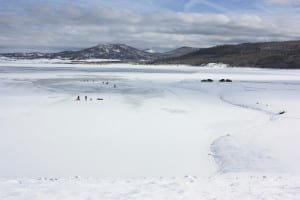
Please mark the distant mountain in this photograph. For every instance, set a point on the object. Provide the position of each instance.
(265, 55)
(105, 51)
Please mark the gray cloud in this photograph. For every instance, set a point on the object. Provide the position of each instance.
(191, 3)
(283, 1)
(50, 27)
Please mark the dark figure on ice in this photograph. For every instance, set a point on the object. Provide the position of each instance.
(281, 113)
(207, 80)
(85, 98)
(115, 86)
(78, 98)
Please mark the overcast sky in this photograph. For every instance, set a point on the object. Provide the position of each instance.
(54, 25)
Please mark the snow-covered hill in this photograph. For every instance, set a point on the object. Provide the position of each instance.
(107, 51)
(104, 51)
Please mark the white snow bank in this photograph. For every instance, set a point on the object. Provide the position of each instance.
(226, 187)
(216, 65)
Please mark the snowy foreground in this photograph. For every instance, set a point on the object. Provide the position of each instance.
(148, 132)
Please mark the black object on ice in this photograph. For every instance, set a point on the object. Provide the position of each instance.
(207, 80)
(115, 86)
(225, 80)
(100, 99)
(85, 98)
(78, 98)
(281, 113)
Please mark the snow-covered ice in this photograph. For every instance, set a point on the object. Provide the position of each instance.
(154, 126)
(225, 187)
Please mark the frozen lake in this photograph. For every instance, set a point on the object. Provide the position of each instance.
(153, 120)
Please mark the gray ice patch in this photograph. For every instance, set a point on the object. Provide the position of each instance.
(232, 155)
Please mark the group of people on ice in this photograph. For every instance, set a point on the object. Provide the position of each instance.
(86, 98)
(99, 99)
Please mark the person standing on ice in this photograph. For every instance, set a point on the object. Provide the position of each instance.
(78, 98)
(85, 98)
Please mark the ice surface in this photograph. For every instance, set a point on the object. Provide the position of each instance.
(225, 187)
(157, 121)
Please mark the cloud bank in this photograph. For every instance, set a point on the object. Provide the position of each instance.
(53, 27)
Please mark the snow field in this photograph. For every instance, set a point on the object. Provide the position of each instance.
(160, 121)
